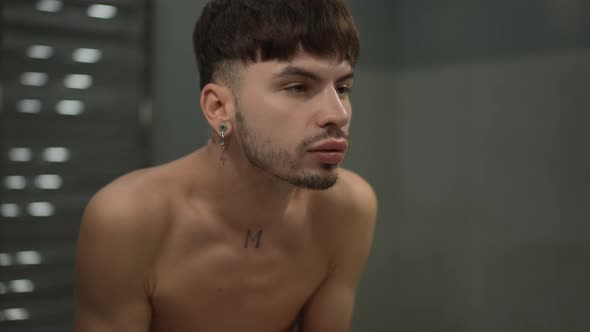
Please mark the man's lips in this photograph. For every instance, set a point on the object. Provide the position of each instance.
(329, 152)
(330, 146)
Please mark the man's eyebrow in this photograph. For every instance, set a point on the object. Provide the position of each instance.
(298, 71)
(346, 77)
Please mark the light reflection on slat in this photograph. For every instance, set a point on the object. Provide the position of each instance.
(15, 182)
(70, 107)
(34, 79)
(28, 257)
(78, 81)
(20, 154)
(40, 51)
(31, 106)
(9, 210)
(50, 6)
(87, 55)
(21, 286)
(102, 11)
(13, 314)
(41, 209)
(56, 154)
(48, 181)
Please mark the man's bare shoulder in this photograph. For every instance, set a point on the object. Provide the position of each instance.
(346, 215)
(122, 230)
(351, 196)
(142, 201)
(347, 211)
(133, 205)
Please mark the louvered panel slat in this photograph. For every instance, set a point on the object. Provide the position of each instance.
(17, 45)
(72, 19)
(74, 117)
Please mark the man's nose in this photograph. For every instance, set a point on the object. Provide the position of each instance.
(333, 110)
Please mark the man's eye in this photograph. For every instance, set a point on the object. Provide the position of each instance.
(297, 88)
(344, 90)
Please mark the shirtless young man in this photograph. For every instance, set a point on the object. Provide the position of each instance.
(261, 228)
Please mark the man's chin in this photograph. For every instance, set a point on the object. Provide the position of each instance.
(330, 167)
(316, 181)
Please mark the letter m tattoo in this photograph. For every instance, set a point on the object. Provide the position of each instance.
(250, 238)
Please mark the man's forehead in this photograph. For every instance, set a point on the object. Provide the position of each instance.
(322, 62)
(303, 61)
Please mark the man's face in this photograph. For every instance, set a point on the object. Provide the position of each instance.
(293, 117)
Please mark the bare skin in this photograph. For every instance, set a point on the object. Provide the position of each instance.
(203, 245)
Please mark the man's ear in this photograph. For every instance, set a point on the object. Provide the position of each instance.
(217, 105)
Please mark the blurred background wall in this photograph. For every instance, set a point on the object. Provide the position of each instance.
(470, 120)
(75, 110)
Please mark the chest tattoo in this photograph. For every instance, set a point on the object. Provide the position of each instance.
(253, 238)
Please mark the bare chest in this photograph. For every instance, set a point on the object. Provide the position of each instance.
(253, 281)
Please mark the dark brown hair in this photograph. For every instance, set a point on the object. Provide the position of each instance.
(261, 30)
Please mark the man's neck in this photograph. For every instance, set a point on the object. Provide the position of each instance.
(242, 194)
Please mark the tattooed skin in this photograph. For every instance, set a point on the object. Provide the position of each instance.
(250, 238)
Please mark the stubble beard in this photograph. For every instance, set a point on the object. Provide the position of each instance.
(262, 154)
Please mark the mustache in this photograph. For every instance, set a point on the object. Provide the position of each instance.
(331, 132)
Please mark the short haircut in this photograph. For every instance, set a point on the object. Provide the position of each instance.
(260, 30)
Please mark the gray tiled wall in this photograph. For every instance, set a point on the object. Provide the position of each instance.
(483, 176)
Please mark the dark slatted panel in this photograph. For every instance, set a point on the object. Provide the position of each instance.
(74, 83)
